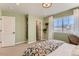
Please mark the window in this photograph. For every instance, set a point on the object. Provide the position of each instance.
(64, 24)
(58, 24)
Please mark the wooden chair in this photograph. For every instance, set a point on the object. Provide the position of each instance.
(73, 39)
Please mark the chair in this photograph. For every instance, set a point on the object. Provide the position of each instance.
(73, 39)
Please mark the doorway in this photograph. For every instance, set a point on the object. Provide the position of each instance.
(38, 30)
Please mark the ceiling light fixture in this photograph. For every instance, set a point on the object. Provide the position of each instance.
(46, 5)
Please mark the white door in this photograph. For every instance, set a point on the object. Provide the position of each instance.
(8, 31)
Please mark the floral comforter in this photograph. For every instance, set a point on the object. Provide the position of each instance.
(42, 48)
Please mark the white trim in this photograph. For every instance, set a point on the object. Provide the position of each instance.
(41, 30)
(31, 42)
(20, 42)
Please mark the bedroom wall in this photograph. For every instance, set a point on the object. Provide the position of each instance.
(0, 13)
(32, 27)
(45, 34)
(61, 36)
(20, 25)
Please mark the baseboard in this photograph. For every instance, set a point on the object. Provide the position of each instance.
(31, 42)
(21, 42)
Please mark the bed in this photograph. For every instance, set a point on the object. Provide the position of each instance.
(64, 50)
(50, 48)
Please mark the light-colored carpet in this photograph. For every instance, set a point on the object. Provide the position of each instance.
(16, 50)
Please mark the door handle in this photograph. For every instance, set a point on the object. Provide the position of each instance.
(13, 32)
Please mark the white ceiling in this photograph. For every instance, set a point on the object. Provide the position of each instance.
(36, 8)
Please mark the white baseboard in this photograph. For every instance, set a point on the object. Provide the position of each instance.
(31, 42)
(21, 42)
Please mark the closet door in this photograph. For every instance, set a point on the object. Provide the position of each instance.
(8, 31)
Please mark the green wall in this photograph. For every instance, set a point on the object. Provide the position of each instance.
(20, 25)
(61, 36)
(31, 28)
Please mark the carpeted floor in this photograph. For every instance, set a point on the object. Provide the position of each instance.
(16, 50)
